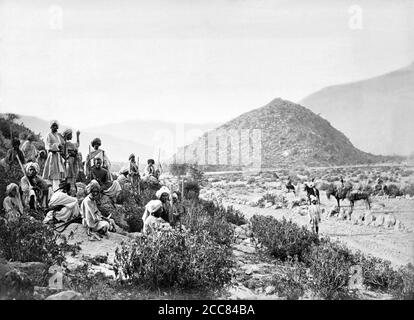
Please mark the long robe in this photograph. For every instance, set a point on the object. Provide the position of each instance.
(54, 167)
(91, 216)
(72, 165)
(69, 211)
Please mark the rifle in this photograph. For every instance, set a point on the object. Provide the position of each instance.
(159, 161)
(88, 163)
(139, 188)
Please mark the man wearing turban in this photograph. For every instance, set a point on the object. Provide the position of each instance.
(91, 216)
(34, 188)
(97, 152)
(54, 170)
(72, 162)
(100, 174)
(64, 207)
(133, 170)
(12, 204)
(152, 217)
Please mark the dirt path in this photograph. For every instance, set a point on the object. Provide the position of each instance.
(389, 244)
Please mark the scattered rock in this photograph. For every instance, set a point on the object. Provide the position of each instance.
(270, 290)
(16, 285)
(389, 221)
(35, 270)
(65, 295)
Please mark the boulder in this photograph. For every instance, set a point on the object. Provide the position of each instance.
(35, 270)
(16, 285)
(398, 225)
(268, 204)
(389, 221)
(379, 220)
(65, 295)
(270, 290)
(369, 219)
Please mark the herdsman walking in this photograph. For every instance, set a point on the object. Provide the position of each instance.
(314, 213)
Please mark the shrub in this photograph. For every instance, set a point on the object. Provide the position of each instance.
(292, 284)
(408, 189)
(404, 287)
(272, 198)
(329, 266)
(393, 191)
(283, 239)
(28, 240)
(191, 189)
(174, 259)
(207, 217)
(377, 273)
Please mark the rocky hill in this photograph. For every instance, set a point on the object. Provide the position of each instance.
(376, 114)
(281, 133)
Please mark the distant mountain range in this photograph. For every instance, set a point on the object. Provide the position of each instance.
(281, 133)
(377, 114)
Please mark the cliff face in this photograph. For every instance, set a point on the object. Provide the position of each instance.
(281, 133)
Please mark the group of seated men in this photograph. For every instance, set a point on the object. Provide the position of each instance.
(62, 207)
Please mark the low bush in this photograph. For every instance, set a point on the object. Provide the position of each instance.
(283, 239)
(191, 189)
(29, 240)
(175, 259)
(329, 266)
(272, 198)
(393, 191)
(378, 274)
(210, 219)
(408, 189)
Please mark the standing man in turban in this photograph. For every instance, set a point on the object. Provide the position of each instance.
(54, 170)
(133, 170)
(34, 188)
(12, 204)
(97, 152)
(72, 162)
(29, 149)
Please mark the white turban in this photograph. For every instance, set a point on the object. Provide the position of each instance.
(163, 189)
(32, 165)
(153, 206)
(54, 122)
(91, 185)
(124, 170)
(11, 187)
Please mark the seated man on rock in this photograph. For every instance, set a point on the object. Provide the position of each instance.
(62, 206)
(91, 216)
(100, 174)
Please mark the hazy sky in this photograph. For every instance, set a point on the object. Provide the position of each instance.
(94, 62)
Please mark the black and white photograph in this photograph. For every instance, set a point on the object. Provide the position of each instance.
(212, 152)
